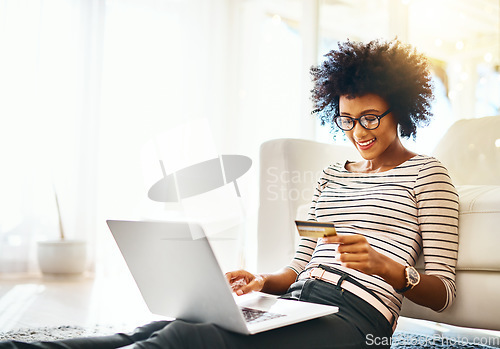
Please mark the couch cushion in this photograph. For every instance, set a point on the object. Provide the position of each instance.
(479, 227)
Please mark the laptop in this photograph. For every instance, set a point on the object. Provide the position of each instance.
(178, 276)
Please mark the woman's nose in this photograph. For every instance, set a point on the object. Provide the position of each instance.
(358, 131)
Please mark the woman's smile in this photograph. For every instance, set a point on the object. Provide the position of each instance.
(365, 145)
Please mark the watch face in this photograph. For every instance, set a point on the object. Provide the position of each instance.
(413, 276)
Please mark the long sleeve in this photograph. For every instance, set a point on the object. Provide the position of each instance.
(437, 204)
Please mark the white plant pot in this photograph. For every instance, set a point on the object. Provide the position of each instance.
(62, 257)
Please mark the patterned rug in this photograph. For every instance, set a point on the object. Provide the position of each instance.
(55, 333)
(400, 340)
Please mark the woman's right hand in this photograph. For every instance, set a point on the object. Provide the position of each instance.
(241, 281)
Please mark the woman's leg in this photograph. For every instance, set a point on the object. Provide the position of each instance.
(331, 331)
(352, 327)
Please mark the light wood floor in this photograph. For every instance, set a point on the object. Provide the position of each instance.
(30, 301)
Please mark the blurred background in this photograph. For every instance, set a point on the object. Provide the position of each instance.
(87, 85)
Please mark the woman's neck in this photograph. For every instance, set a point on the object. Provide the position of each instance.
(393, 156)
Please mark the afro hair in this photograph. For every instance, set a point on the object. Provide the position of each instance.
(391, 70)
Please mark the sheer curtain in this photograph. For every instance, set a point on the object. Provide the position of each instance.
(84, 84)
(48, 73)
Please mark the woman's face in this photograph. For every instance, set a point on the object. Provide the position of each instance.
(371, 144)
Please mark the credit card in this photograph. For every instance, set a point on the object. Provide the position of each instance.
(313, 229)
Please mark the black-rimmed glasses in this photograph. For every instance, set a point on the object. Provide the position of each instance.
(368, 121)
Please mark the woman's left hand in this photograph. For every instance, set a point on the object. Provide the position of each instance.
(355, 252)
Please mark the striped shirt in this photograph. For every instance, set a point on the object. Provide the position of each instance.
(402, 212)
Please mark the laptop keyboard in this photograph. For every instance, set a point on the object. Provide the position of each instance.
(255, 315)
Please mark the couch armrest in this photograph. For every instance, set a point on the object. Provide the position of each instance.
(470, 151)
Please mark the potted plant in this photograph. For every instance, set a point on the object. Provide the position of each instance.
(62, 256)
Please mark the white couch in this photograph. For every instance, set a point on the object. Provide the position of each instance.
(470, 149)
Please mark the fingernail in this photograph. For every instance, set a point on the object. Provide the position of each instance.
(239, 292)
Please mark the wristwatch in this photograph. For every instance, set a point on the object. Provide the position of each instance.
(412, 279)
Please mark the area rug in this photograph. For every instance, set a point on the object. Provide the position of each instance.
(56, 333)
(400, 340)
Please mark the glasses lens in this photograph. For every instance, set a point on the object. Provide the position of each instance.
(369, 121)
(345, 123)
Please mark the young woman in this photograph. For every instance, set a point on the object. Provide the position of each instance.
(388, 209)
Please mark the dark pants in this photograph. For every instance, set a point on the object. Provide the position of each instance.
(355, 325)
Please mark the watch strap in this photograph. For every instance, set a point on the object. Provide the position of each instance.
(404, 289)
